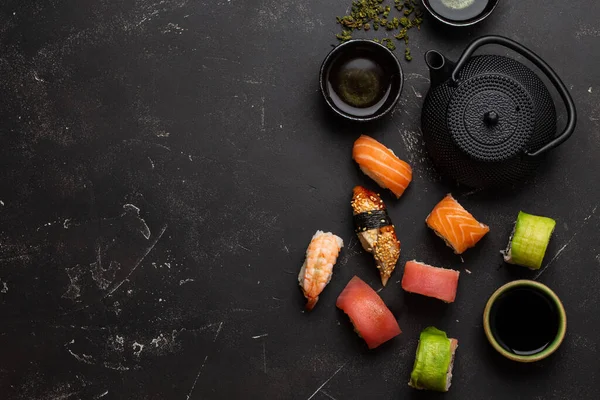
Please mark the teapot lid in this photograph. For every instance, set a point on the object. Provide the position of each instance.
(491, 117)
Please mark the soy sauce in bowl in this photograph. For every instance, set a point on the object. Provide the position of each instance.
(524, 321)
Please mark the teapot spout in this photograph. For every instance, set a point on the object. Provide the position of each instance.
(440, 68)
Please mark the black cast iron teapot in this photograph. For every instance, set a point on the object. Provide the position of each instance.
(488, 119)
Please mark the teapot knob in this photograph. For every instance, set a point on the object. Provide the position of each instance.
(491, 118)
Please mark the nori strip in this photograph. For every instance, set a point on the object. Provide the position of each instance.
(371, 220)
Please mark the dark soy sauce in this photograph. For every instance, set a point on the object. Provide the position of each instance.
(359, 84)
(524, 321)
(458, 10)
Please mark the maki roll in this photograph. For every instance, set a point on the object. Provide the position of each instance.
(432, 369)
(529, 240)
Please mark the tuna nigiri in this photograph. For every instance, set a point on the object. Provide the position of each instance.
(459, 229)
(372, 320)
(381, 164)
(375, 231)
(430, 281)
(317, 269)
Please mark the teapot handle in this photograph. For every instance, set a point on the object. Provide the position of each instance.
(541, 64)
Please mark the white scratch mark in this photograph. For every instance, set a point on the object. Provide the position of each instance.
(265, 357)
(262, 115)
(139, 348)
(566, 244)
(411, 76)
(245, 248)
(139, 261)
(328, 395)
(66, 223)
(590, 90)
(84, 358)
(196, 380)
(252, 82)
(1, 203)
(101, 395)
(4, 287)
(151, 162)
(220, 59)
(259, 336)
(115, 367)
(37, 78)
(184, 281)
(379, 290)
(144, 229)
(286, 249)
(472, 192)
(218, 331)
(190, 157)
(555, 257)
(587, 31)
(241, 310)
(419, 95)
(326, 382)
(462, 260)
(467, 271)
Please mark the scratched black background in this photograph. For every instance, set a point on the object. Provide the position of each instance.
(164, 164)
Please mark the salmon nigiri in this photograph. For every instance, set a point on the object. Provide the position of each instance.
(375, 231)
(430, 281)
(381, 164)
(317, 269)
(459, 229)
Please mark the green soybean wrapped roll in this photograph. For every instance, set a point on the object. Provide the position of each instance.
(529, 240)
(432, 369)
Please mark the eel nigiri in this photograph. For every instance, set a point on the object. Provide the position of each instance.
(382, 165)
(459, 229)
(432, 369)
(372, 320)
(316, 272)
(529, 241)
(375, 231)
(430, 281)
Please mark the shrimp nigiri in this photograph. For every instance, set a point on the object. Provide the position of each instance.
(317, 269)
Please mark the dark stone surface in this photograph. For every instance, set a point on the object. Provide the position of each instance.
(165, 163)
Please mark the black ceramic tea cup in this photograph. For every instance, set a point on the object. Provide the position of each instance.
(525, 321)
(361, 80)
(460, 12)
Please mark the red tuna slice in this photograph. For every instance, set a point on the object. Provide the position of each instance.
(371, 318)
(430, 281)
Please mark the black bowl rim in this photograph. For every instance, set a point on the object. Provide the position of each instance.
(340, 49)
(459, 24)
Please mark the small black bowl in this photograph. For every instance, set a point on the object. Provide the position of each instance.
(382, 56)
(448, 20)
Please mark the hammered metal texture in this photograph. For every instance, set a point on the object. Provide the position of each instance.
(488, 168)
